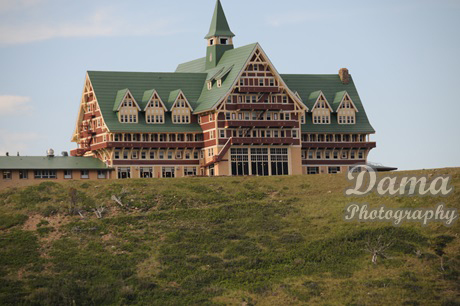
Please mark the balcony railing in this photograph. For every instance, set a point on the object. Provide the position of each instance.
(258, 89)
(332, 145)
(261, 123)
(139, 144)
(260, 106)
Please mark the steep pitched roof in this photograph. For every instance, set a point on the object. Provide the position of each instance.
(148, 95)
(339, 98)
(230, 65)
(53, 163)
(219, 25)
(330, 85)
(107, 84)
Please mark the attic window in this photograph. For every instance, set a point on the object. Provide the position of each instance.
(209, 85)
(219, 83)
(224, 41)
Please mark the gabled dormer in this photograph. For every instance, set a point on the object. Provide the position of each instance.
(321, 109)
(126, 107)
(345, 108)
(154, 107)
(181, 109)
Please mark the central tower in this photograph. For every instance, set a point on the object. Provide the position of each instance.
(219, 38)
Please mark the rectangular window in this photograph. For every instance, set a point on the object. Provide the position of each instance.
(6, 174)
(152, 154)
(143, 155)
(222, 133)
(170, 155)
(333, 170)
(161, 155)
(189, 171)
(125, 154)
(67, 174)
(84, 174)
(312, 170)
(101, 174)
(45, 174)
(227, 116)
(23, 174)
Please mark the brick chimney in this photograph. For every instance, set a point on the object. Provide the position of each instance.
(344, 76)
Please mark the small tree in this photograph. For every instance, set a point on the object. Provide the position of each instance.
(377, 248)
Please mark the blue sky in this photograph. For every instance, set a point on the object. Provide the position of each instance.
(403, 56)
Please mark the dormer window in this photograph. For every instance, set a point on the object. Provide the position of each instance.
(219, 83)
(346, 111)
(209, 85)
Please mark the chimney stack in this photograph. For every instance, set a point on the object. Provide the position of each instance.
(344, 76)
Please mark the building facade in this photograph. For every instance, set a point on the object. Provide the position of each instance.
(228, 113)
(27, 170)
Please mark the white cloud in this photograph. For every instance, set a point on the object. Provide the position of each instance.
(11, 105)
(100, 23)
(14, 142)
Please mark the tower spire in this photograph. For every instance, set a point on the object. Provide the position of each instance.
(219, 25)
(219, 38)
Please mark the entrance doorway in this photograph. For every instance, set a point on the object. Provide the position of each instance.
(124, 173)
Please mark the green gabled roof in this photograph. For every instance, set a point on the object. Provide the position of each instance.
(173, 96)
(119, 98)
(337, 99)
(44, 162)
(219, 25)
(106, 85)
(236, 58)
(146, 98)
(312, 98)
(224, 73)
(214, 76)
(196, 66)
(330, 85)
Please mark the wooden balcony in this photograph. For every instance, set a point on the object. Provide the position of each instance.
(338, 145)
(264, 141)
(259, 106)
(261, 123)
(153, 145)
(258, 89)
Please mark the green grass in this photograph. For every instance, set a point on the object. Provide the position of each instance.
(271, 240)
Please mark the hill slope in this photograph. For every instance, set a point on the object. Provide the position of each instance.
(248, 240)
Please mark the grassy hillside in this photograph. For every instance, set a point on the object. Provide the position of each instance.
(241, 241)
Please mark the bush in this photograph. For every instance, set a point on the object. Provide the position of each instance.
(8, 221)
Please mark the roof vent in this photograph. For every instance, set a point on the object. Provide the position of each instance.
(344, 76)
(50, 153)
(64, 153)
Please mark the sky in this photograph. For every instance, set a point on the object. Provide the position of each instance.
(403, 56)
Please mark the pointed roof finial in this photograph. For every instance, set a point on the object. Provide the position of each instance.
(219, 25)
